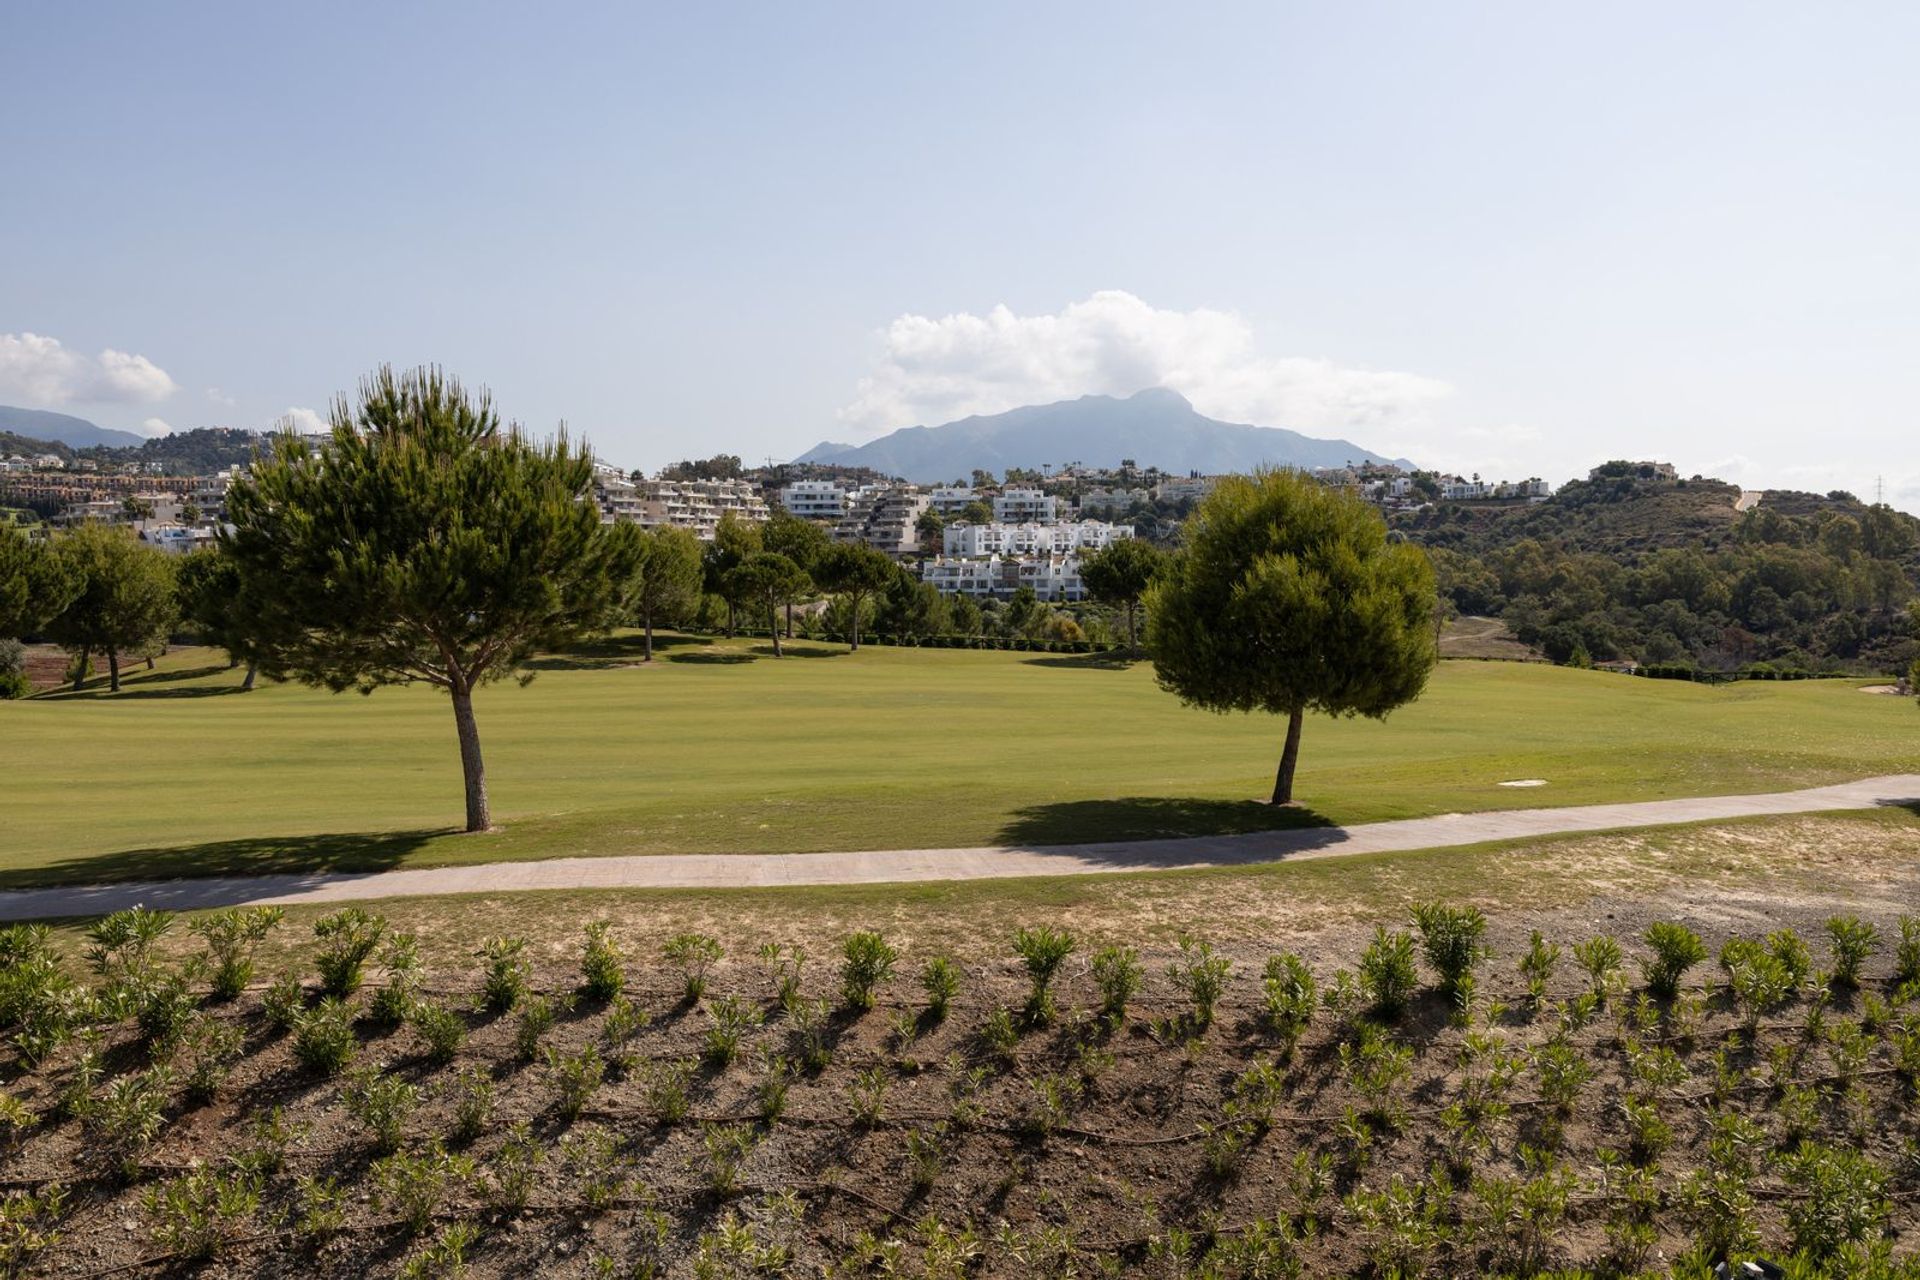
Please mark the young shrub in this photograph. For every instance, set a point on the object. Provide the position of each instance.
(867, 1097)
(1290, 998)
(209, 1047)
(164, 1004)
(198, 1213)
(770, 1094)
(576, 1078)
(693, 954)
(1118, 975)
(415, 1186)
(1451, 938)
(1906, 954)
(1537, 965)
(393, 1001)
(283, 1002)
(232, 936)
(926, 1156)
(783, 966)
(811, 1021)
(1387, 973)
(445, 1256)
(868, 961)
(1756, 978)
(29, 1225)
(1042, 951)
(505, 984)
(592, 1156)
(322, 1208)
(940, 979)
(537, 1017)
(382, 1103)
(998, 1035)
(1843, 1199)
(1676, 949)
(347, 938)
(731, 1020)
(727, 1148)
(1850, 941)
(1600, 959)
(323, 1040)
(623, 1022)
(1201, 976)
(472, 1107)
(441, 1029)
(601, 977)
(120, 945)
(513, 1171)
(665, 1089)
(128, 1116)
(1792, 952)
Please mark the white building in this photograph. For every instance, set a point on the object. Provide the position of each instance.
(615, 495)
(1110, 500)
(952, 499)
(815, 499)
(1019, 506)
(694, 505)
(15, 463)
(885, 518)
(1052, 577)
(176, 539)
(1030, 538)
(1191, 488)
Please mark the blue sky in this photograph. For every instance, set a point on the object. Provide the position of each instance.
(1508, 238)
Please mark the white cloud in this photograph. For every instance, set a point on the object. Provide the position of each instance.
(1113, 343)
(39, 370)
(305, 421)
(156, 427)
(218, 396)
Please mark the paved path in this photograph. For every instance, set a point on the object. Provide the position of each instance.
(736, 870)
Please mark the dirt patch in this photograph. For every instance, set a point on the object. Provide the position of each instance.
(1061, 1145)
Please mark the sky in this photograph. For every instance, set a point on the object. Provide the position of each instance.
(1515, 239)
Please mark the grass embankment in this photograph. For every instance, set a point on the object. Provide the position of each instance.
(719, 748)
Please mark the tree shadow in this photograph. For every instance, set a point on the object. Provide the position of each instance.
(723, 658)
(136, 683)
(1153, 818)
(798, 649)
(1112, 660)
(278, 864)
(604, 652)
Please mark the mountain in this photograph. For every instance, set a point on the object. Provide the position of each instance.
(1155, 427)
(39, 424)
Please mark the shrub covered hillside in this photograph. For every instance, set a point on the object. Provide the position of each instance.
(1424, 1106)
(1659, 571)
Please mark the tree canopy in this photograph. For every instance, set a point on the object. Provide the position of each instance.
(423, 542)
(1118, 574)
(766, 580)
(35, 584)
(1287, 597)
(856, 573)
(124, 602)
(666, 579)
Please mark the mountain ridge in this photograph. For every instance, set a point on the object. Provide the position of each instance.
(1156, 427)
(76, 433)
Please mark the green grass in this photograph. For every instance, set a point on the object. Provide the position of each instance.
(719, 748)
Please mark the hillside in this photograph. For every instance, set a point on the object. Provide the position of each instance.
(1157, 427)
(40, 424)
(201, 451)
(1665, 572)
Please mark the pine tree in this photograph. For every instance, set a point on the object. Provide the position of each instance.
(424, 542)
(1287, 597)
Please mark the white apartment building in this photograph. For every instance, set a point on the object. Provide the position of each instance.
(176, 539)
(15, 463)
(1098, 499)
(1181, 490)
(815, 499)
(1019, 506)
(1030, 538)
(885, 518)
(1052, 577)
(952, 499)
(615, 495)
(695, 505)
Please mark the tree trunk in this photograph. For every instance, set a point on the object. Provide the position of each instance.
(80, 668)
(647, 622)
(853, 622)
(732, 628)
(253, 669)
(150, 665)
(1133, 640)
(479, 816)
(789, 619)
(113, 670)
(773, 627)
(1289, 757)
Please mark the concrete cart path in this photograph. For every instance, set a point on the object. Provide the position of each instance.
(881, 866)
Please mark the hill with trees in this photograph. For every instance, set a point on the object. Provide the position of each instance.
(1626, 567)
